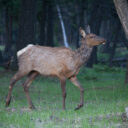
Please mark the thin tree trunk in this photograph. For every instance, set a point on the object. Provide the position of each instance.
(3, 26)
(43, 23)
(80, 17)
(93, 58)
(112, 53)
(106, 31)
(95, 28)
(50, 24)
(62, 26)
(115, 39)
(27, 17)
(8, 22)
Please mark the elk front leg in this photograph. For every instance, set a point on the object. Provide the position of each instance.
(77, 84)
(63, 88)
(26, 86)
(15, 78)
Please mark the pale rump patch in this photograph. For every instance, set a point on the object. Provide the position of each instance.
(24, 49)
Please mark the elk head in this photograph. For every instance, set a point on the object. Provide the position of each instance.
(91, 39)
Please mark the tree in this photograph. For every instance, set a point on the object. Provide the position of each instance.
(81, 6)
(8, 23)
(7, 10)
(95, 28)
(50, 24)
(43, 23)
(27, 18)
(63, 27)
(122, 11)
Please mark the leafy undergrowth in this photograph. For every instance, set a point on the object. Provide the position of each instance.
(105, 100)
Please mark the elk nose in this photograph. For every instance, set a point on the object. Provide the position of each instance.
(104, 41)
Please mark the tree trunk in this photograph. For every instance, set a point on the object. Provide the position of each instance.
(8, 32)
(49, 40)
(106, 31)
(122, 11)
(3, 26)
(27, 17)
(93, 58)
(1, 57)
(43, 23)
(112, 53)
(114, 38)
(95, 28)
(63, 27)
(81, 23)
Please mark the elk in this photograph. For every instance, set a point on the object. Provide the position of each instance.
(60, 62)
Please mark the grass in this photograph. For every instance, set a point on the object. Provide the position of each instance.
(105, 100)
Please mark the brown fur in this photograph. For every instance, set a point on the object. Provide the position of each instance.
(59, 62)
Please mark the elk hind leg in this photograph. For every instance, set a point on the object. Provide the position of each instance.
(26, 86)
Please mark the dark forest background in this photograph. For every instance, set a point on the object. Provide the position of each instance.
(25, 22)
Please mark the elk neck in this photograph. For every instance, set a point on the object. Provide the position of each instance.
(82, 54)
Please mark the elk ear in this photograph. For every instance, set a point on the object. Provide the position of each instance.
(82, 32)
(88, 29)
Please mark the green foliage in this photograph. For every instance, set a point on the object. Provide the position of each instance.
(121, 52)
(102, 56)
(105, 98)
(13, 7)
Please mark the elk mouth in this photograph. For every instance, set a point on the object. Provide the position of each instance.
(104, 42)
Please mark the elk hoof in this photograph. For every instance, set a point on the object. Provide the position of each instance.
(64, 109)
(8, 102)
(78, 107)
(32, 107)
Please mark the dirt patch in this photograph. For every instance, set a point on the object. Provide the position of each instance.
(121, 116)
(11, 109)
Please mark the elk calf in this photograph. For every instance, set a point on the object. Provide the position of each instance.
(59, 62)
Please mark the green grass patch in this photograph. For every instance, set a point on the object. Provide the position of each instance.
(105, 100)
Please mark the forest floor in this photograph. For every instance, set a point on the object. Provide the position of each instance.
(106, 98)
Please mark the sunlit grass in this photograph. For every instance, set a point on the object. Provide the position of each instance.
(105, 95)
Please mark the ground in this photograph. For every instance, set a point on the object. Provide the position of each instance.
(106, 98)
